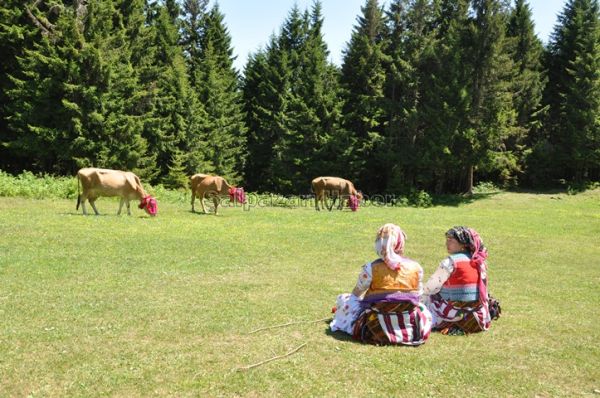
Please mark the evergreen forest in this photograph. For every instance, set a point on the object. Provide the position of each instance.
(431, 95)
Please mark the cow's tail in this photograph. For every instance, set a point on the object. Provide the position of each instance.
(78, 193)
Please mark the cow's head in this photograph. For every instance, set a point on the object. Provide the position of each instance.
(237, 195)
(353, 202)
(149, 204)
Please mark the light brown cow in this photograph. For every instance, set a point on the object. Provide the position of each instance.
(195, 180)
(334, 187)
(104, 182)
(213, 187)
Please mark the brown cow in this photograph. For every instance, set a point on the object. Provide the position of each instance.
(213, 187)
(195, 180)
(104, 182)
(334, 187)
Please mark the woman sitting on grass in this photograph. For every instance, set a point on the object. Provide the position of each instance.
(384, 307)
(456, 293)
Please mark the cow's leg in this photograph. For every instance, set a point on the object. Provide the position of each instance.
(334, 197)
(317, 199)
(193, 199)
(92, 203)
(120, 206)
(83, 199)
(128, 207)
(342, 199)
(216, 202)
(202, 204)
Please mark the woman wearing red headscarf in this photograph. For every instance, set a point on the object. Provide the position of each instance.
(384, 307)
(456, 293)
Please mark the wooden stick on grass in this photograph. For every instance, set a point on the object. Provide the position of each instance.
(288, 324)
(242, 368)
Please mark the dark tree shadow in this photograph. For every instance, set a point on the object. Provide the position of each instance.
(457, 200)
(549, 191)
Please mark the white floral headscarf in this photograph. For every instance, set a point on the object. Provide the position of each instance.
(389, 245)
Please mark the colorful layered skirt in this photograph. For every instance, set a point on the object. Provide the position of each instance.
(401, 323)
(467, 316)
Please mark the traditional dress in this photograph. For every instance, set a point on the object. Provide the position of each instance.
(384, 307)
(456, 293)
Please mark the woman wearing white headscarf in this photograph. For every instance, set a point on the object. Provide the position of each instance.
(384, 306)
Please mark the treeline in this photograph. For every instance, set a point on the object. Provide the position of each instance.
(431, 95)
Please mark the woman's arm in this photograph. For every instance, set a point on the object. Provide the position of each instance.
(439, 277)
(364, 281)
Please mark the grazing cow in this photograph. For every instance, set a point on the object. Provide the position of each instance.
(195, 180)
(214, 187)
(103, 182)
(335, 187)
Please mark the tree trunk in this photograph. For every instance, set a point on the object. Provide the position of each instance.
(439, 183)
(470, 171)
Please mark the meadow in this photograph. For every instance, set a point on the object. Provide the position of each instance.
(138, 306)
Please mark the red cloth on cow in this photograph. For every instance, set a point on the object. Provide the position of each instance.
(150, 205)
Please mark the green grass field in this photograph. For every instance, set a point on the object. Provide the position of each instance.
(138, 306)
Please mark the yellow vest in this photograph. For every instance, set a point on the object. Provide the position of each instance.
(385, 280)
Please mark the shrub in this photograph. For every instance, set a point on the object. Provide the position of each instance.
(485, 187)
(43, 186)
(420, 198)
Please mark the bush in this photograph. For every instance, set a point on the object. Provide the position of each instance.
(43, 186)
(168, 195)
(485, 187)
(420, 199)
(575, 188)
(46, 186)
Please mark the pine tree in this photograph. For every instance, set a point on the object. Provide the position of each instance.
(163, 99)
(409, 42)
(362, 82)
(196, 145)
(70, 105)
(443, 101)
(289, 63)
(218, 90)
(310, 117)
(526, 51)
(265, 98)
(320, 93)
(290, 95)
(193, 25)
(258, 160)
(177, 177)
(573, 92)
(528, 79)
(491, 115)
(16, 34)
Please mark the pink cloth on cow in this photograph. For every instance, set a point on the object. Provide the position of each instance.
(353, 202)
(237, 195)
(150, 205)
